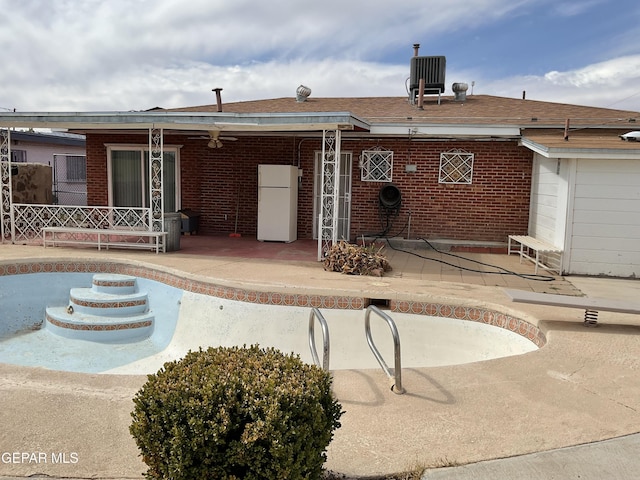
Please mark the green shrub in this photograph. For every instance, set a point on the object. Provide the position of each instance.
(235, 413)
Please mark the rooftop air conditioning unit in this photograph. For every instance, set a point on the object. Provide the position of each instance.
(432, 69)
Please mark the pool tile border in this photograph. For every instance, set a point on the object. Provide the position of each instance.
(474, 314)
(98, 327)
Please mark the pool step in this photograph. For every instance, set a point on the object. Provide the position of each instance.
(87, 300)
(113, 283)
(111, 310)
(98, 328)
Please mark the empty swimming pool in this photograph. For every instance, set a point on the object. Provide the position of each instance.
(187, 320)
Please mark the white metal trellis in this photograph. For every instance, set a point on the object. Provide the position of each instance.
(156, 179)
(30, 219)
(24, 222)
(6, 223)
(329, 191)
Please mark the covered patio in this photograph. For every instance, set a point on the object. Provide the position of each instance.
(24, 223)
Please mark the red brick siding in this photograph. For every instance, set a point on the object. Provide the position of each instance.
(215, 181)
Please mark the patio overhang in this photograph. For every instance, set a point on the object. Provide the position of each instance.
(239, 122)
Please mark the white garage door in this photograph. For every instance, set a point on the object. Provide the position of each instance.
(605, 228)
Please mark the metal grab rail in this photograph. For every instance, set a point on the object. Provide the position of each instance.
(315, 313)
(397, 386)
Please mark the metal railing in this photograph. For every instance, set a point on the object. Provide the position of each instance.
(315, 313)
(29, 220)
(396, 376)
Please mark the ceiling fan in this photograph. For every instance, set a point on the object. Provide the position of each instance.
(215, 140)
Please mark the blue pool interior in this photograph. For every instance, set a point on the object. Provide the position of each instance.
(23, 341)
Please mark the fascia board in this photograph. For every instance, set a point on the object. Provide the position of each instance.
(184, 121)
(449, 130)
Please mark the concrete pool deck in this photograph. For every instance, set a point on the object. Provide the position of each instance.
(583, 386)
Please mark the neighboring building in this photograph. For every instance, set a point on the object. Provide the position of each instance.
(64, 153)
(470, 169)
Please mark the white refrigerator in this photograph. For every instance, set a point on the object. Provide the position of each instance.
(277, 203)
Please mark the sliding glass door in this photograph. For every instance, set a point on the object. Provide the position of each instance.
(129, 178)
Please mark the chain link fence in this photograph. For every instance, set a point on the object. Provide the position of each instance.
(69, 179)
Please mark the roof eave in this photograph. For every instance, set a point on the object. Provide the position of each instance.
(572, 152)
(184, 121)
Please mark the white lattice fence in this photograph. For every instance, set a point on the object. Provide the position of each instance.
(29, 220)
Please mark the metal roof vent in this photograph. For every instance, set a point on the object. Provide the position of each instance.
(460, 91)
(302, 93)
(631, 136)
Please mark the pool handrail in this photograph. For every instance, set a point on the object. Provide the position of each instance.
(315, 313)
(396, 387)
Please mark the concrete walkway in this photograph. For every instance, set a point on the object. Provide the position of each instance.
(582, 387)
(615, 459)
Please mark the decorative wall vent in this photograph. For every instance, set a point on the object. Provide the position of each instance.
(456, 166)
(376, 165)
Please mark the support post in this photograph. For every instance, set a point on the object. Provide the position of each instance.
(329, 191)
(6, 194)
(156, 180)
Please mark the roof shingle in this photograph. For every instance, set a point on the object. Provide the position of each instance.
(476, 110)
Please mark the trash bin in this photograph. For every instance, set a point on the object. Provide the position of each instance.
(190, 221)
(172, 227)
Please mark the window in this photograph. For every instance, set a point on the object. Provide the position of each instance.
(456, 166)
(376, 165)
(19, 156)
(76, 168)
(129, 177)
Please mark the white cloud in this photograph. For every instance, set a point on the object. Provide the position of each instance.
(571, 9)
(83, 55)
(614, 83)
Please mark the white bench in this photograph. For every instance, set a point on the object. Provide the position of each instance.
(525, 245)
(106, 238)
(589, 304)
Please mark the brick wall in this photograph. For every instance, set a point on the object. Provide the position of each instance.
(219, 182)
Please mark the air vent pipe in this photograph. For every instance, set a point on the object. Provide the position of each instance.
(218, 98)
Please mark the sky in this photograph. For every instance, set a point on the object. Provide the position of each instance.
(124, 55)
